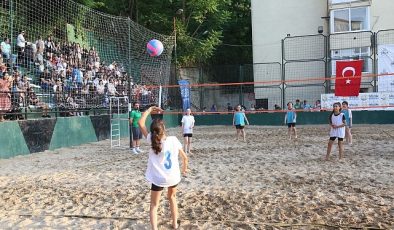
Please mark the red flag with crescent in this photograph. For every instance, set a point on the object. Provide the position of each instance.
(348, 79)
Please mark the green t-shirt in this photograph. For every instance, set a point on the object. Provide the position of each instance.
(297, 106)
(136, 116)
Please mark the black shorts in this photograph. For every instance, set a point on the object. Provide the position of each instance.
(290, 125)
(333, 138)
(239, 126)
(137, 135)
(188, 135)
(158, 188)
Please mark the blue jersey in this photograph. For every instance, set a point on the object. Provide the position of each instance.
(348, 115)
(239, 118)
(291, 116)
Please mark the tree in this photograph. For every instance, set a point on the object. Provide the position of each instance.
(236, 47)
(201, 29)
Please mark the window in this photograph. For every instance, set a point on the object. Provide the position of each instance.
(358, 19)
(350, 19)
(352, 54)
(342, 1)
(365, 90)
(341, 20)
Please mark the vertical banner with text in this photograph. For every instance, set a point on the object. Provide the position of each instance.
(185, 93)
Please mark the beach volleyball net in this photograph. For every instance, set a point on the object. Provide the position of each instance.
(62, 35)
(306, 94)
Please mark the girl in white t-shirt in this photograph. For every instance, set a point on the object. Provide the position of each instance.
(337, 124)
(187, 130)
(163, 165)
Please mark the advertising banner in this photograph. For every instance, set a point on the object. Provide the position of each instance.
(385, 66)
(364, 101)
(185, 93)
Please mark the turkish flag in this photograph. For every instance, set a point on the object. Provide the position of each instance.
(348, 79)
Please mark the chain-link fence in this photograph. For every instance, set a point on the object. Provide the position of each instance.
(307, 71)
(63, 53)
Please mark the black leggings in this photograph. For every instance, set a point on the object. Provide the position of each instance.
(333, 138)
(158, 188)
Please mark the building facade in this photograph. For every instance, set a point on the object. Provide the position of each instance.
(336, 29)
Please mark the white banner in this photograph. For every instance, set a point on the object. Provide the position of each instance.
(365, 101)
(386, 65)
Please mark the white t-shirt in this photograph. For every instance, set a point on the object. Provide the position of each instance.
(5, 48)
(100, 89)
(188, 122)
(20, 41)
(163, 168)
(337, 120)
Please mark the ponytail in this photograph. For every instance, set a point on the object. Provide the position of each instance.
(156, 143)
(157, 132)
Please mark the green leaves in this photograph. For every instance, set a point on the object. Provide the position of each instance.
(203, 26)
(195, 51)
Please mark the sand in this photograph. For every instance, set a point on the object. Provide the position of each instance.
(267, 183)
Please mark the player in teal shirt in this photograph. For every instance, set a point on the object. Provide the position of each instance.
(239, 122)
(349, 121)
(290, 120)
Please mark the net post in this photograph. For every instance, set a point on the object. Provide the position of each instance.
(374, 47)
(130, 125)
(129, 83)
(241, 80)
(160, 93)
(11, 36)
(328, 60)
(175, 54)
(283, 74)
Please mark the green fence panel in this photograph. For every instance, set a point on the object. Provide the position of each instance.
(214, 119)
(172, 120)
(12, 142)
(373, 117)
(303, 118)
(72, 131)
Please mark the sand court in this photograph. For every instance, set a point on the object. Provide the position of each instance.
(268, 182)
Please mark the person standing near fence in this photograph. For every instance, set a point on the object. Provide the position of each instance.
(6, 50)
(134, 117)
(163, 169)
(298, 104)
(187, 129)
(5, 101)
(20, 44)
(239, 122)
(337, 123)
(349, 122)
(290, 120)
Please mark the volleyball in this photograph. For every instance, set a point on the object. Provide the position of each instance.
(154, 47)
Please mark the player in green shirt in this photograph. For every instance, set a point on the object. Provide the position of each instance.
(134, 117)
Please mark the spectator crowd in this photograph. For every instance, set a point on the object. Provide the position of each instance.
(65, 75)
